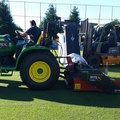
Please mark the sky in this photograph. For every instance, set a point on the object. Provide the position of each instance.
(95, 2)
(32, 9)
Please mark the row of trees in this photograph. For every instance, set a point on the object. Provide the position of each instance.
(51, 14)
(7, 26)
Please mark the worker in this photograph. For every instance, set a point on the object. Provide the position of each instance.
(112, 41)
(34, 32)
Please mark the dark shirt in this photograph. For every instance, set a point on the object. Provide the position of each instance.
(34, 33)
(112, 39)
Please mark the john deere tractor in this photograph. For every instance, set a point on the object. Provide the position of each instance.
(38, 67)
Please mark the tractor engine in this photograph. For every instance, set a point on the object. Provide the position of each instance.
(7, 48)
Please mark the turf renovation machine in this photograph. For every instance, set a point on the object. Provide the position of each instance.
(78, 74)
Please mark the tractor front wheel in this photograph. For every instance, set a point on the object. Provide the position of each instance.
(39, 70)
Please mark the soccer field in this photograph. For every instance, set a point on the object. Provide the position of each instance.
(17, 102)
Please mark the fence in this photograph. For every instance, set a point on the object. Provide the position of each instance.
(22, 12)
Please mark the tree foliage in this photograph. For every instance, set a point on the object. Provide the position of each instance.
(75, 15)
(7, 26)
(50, 15)
(106, 30)
(110, 25)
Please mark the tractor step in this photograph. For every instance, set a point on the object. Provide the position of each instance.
(6, 70)
(6, 73)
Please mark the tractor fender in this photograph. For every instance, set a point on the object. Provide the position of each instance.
(29, 49)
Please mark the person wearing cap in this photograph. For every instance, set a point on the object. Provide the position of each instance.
(112, 41)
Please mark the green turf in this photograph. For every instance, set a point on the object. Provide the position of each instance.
(17, 102)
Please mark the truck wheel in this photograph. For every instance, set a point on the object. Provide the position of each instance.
(94, 61)
(40, 70)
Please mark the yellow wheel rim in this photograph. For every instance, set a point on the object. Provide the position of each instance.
(39, 71)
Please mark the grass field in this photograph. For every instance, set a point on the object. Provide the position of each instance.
(17, 102)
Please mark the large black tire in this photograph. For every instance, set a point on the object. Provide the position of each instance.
(94, 61)
(40, 70)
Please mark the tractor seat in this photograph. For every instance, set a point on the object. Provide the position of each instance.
(39, 39)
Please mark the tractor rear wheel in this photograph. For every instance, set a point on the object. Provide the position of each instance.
(40, 70)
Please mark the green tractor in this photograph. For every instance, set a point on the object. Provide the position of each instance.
(38, 67)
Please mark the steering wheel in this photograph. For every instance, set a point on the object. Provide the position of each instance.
(18, 35)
